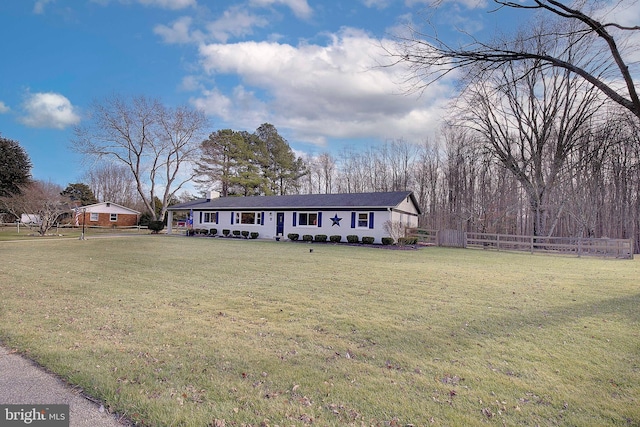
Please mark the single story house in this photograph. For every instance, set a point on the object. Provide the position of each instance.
(361, 214)
(105, 214)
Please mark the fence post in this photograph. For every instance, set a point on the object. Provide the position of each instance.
(579, 247)
(531, 245)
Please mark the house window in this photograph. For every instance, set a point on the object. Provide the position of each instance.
(249, 218)
(363, 220)
(209, 217)
(308, 218)
(93, 216)
(113, 217)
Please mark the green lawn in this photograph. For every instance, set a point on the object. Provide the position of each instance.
(23, 232)
(175, 331)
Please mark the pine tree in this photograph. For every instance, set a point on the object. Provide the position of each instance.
(15, 167)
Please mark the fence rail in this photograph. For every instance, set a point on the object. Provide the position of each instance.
(19, 226)
(602, 247)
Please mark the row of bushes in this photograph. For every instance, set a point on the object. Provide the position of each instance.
(225, 232)
(351, 238)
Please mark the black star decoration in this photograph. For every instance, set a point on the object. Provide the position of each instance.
(336, 220)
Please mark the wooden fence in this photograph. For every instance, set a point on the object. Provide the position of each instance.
(603, 247)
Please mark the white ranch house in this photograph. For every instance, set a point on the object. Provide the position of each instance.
(361, 214)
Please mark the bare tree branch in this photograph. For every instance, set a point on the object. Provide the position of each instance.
(429, 58)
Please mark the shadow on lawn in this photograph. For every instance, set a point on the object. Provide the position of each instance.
(572, 311)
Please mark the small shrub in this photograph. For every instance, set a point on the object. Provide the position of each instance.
(191, 232)
(320, 238)
(226, 232)
(145, 219)
(254, 234)
(155, 226)
(368, 240)
(307, 238)
(293, 236)
(387, 241)
(335, 238)
(213, 232)
(403, 241)
(236, 233)
(352, 238)
(245, 234)
(396, 229)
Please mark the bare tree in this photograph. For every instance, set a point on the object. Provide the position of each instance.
(557, 30)
(157, 144)
(42, 201)
(112, 182)
(396, 230)
(531, 118)
(427, 171)
(403, 154)
(326, 170)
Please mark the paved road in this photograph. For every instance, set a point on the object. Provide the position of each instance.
(23, 382)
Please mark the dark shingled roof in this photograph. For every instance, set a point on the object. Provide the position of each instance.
(302, 201)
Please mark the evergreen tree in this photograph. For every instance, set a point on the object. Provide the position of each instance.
(249, 179)
(219, 153)
(15, 167)
(248, 164)
(280, 166)
(80, 192)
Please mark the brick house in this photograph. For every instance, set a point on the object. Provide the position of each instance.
(106, 214)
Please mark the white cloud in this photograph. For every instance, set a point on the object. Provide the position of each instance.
(190, 83)
(164, 4)
(38, 7)
(333, 91)
(178, 32)
(3, 108)
(49, 110)
(235, 21)
(169, 4)
(300, 8)
(469, 4)
(379, 4)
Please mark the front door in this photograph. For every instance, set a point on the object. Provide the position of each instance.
(280, 224)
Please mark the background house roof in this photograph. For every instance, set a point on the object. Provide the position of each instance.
(298, 201)
(108, 207)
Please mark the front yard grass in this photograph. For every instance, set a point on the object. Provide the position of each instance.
(173, 331)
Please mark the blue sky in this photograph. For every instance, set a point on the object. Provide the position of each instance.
(307, 67)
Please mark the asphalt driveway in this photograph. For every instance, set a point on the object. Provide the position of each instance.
(24, 382)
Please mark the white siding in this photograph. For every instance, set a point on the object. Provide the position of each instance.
(407, 206)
